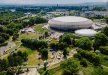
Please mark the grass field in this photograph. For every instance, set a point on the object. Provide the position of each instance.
(99, 20)
(33, 56)
(94, 70)
(29, 35)
(52, 70)
(39, 28)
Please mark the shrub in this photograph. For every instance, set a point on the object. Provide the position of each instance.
(91, 57)
(3, 44)
(84, 43)
(70, 67)
(83, 62)
(104, 50)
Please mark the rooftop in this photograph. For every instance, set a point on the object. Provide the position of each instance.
(86, 32)
(70, 19)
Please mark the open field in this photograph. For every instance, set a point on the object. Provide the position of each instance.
(29, 35)
(39, 28)
(33, 56)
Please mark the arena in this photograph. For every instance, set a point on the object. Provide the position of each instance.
(70, 23)
(85, 32)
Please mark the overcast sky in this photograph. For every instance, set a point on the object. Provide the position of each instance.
(48, 1)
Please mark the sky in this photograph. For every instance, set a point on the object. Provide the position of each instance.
(48, 1)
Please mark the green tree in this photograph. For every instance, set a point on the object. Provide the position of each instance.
(62, 45)
(65, 53)
(84, 43)
(100, 40)
(44, 53)
(15, 36)
(70, 67)
(2, 40)
(3, 64)
(68, 39)
(104, 50)
(106, 19)
(83, 62)
(46, 34)
(54, 46)
(105, 30)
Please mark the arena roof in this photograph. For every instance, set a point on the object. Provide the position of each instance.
(68, 23)
(70, 19)
(86, 32)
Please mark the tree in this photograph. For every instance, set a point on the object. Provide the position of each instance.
(62, 45)
(15, 36)
(69, 67)
(84, 43)
(54, 46)
(34, 44)
(105, 30)
(91, 57)
(104, 50)
(65, 53)
(3, 64)
(5, 36)
(44, 53)
(2, 40)
(16, 59)
(46, 34)
(68, 39)
(100, 40)
(10, 31)
(83, 62)
(106, 19)
(45, 66)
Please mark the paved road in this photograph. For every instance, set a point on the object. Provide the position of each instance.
(5, 48)
(32, 71)
(3, 56)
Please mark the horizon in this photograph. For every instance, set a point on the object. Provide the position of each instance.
(42, 2)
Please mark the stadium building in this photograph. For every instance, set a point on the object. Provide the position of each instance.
(85, 32)
(70, 23)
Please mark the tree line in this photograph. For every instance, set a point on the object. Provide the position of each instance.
(13, 60)
(12, 26)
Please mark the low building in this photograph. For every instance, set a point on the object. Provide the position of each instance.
(85, 32)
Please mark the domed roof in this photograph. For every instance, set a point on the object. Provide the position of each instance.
(70, 19)
(86, 32)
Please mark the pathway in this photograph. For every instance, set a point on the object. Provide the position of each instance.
(5, 48)
(32, 71)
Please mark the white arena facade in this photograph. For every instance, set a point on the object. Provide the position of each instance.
(70, 23)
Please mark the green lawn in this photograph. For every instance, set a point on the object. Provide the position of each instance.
(33, 55)
(52, 70)
(94, 70)
(29, 35)
(39, 28)
(99, 20)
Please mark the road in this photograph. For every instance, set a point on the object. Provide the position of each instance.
(5, 55)
(5, 48)
(32, 71)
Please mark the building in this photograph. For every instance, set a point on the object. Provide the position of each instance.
(94, 13)
(69, 23)
(85, 32)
